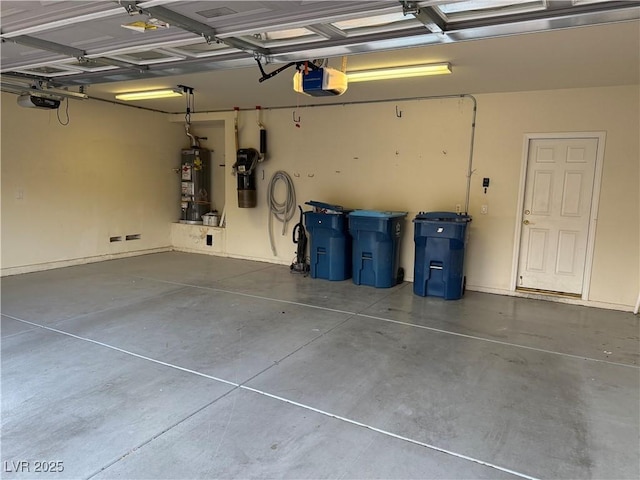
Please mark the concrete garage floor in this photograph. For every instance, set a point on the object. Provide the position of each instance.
(186, 366)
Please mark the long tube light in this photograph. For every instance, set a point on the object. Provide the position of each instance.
(149, 94)
(399, 72)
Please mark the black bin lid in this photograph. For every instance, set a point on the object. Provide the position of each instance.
(443, 217)
(327, 206)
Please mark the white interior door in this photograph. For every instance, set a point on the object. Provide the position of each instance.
(556, 214)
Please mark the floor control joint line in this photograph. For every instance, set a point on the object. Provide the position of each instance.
(389, 434)
(277, 397)
(499, 342)
(126, 352)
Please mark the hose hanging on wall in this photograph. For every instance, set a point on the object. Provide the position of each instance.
(283, 211)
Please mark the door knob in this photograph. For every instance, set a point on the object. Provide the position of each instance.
(527, 212)
(526, 222)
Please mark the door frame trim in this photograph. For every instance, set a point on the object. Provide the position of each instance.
(595, 200)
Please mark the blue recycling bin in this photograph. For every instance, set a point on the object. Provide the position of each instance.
(440, 240)
(330, 243)
(376, 247)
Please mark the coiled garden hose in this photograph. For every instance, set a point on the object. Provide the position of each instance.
(283, 211)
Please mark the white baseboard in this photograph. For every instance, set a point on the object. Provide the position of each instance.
(552, 298)
(274, 261)
(4, 272)
(38, 267)
(198, 251)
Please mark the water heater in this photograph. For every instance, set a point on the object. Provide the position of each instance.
(195, 170)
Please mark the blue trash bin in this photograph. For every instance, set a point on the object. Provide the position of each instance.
(330, 243)
(376, 247)
(440, 240)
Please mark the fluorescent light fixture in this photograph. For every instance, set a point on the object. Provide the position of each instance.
(149, 94)
(399, 72)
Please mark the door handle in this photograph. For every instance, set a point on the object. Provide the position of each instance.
(527, 222)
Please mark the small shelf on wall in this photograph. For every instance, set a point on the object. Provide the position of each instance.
(199, 225)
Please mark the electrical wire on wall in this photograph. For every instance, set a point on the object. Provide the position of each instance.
(66, 113)
(282, 211)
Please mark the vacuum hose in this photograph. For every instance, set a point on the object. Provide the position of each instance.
(283, 211)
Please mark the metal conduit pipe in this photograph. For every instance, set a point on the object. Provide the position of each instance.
(471, 145)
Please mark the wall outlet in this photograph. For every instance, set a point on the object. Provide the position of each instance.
(458, 208)
(484, 209)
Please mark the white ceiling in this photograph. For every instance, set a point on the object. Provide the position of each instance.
(581, 57)
(526, 54)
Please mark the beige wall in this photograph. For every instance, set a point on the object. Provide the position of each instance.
(363, 156)
(503, 119)
(108, 173)
(104, 175)
(358, 156)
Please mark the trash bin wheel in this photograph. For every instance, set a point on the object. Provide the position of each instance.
(400, 275)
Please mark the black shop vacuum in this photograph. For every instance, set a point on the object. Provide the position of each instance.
(300, 239)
